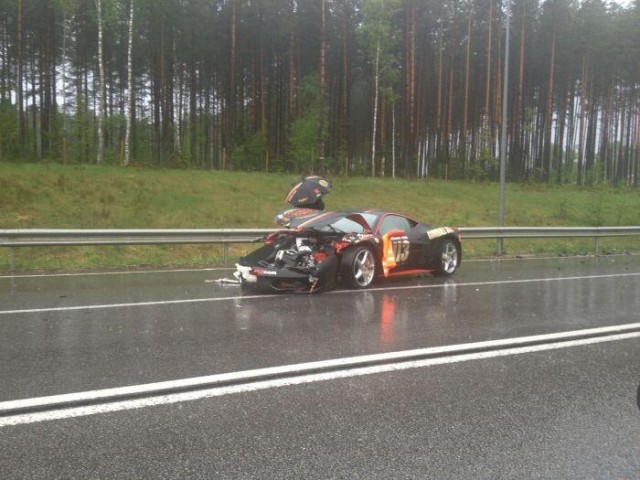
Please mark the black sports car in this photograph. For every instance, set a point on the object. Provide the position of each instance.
(319, 248)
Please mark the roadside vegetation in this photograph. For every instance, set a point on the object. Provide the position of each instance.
(82, 196)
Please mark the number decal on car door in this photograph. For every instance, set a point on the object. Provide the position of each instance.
(395, 250)
(401, 247)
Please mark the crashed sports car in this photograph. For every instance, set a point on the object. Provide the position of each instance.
(319, 249)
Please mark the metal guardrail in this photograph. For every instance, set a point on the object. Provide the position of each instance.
(548, 232)
(501, 233)
(226, 236)
(58, 238)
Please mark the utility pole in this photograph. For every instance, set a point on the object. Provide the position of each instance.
(503, 143)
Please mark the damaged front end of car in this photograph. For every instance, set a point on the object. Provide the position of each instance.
(291, 261)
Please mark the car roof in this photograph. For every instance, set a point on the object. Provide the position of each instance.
(298, 217)
(345, 213)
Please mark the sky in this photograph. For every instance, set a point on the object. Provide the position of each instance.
(623, 3)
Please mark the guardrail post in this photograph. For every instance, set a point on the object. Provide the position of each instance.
(225, 252)
(596, 245)
(12, 258)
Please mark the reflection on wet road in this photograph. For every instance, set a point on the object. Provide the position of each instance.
(551, 410)
(73, 333)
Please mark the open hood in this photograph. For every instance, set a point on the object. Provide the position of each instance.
(294, 217)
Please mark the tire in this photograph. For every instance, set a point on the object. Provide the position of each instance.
(448, 258)
(358, 267)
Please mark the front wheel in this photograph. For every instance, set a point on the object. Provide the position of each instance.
(448, 258)
(358, 267)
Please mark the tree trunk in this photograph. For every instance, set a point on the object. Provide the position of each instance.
(450, 95)
(547, 160)
(130, 97)
(381, 134)
(291, 92)
(178, 83)
(410, 87)
(488, 79)
(345, 86)
(101, 86)
(64, 88)
(518, 134)
(393, 139)
(439, 101)
(465, 114)
(583, 105)
(560, 140)
(376, 83)
(20, 80)
(323, 53)
(47, 63)
(193, 117)
(231, 98)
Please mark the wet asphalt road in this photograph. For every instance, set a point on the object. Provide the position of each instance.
(564, 413)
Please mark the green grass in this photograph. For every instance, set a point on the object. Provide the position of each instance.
(59, 196)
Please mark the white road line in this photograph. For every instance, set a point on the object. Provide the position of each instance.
(525, 257)
(225, 269)
(121, 272)
(337, 292)
(396, 364)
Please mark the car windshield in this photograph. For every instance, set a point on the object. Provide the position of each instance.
(347, 223)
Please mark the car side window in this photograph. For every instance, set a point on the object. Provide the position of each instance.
(395, 222)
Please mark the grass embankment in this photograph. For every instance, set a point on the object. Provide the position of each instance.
(58, 196)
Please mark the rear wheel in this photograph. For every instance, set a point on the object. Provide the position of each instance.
(358, 267)
(448, 258)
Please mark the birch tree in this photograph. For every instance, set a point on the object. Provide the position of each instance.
(101, 85)
(379, 40)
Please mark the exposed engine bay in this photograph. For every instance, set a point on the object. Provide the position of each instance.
(298, 262)
(292, 260)
(304, 253)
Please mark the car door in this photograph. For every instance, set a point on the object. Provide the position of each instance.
(407, 247)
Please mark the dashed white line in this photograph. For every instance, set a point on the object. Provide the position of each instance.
(220, 269)
(337, 292)
(120, 272)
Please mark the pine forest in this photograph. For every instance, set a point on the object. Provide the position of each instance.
(385, 88)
